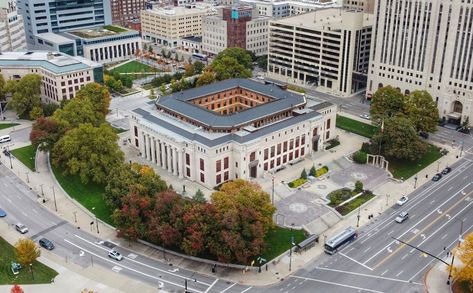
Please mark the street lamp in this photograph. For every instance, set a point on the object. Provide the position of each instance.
(358, 216)
(415, 182)
(290, 250)
(75, 216)
(9, 156)
(438, 166)
(453, 255)
(272, 193)
(27, 178)
(96, 221)
(185, 282)
(54, 196)
(31, 269)
(387, 199)
(42, 191)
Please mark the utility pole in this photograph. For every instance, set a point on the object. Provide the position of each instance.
(358, 221)
(9, 156)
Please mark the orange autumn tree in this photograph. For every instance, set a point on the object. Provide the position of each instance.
(464, 252)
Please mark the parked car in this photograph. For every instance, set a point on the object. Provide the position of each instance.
(115, 255)
(437, 177)
(402, 217)
(402, 200)
(423, 134)
(43, 242)
(260, 77)
(365, 116)
(21, 228)
(446, 170)
(2, 213)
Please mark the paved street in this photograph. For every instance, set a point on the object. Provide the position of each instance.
(377, 263)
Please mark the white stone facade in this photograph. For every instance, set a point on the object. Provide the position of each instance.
(431, 53)
(12, 30)
(112, 50)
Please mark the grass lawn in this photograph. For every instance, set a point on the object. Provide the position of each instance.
(354, 204)
(278, 240)
(406, 169)
(42, 274)
(26, 155)
(115, 28)
(133, 66)
(355, 126)
(90, 195)
(7, 125)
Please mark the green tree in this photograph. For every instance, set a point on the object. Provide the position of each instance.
(26, 251)
(358, 186)
(162, 88)
(119, 181)
(228, 67)
(98, 95)
(207, 77)
(312, 171)
(189, 69)
(25, 94)
(262, 62)
(36, 112)
(386, 102)
(76, 112)
(91, 152)
(304, 174)
(2, 88)
(422, 111)
(152, 94)
(399, 139)
(198, 67)
(49, 108)
(199, 197)
(241, 56)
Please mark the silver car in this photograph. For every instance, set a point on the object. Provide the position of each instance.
(402, 217)
(21, 228)
(115, 255)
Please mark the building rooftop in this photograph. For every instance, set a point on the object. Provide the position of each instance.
(281, 101)
(193, 39)
(55, 38)
(180, 10)
(98, 32)
(57, 63)
(328, 19)
(313, 3)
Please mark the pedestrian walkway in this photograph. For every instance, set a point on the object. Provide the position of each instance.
(44, 185)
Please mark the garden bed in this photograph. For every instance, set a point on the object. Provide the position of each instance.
(338, 196)
(355, 203)
(7, 125)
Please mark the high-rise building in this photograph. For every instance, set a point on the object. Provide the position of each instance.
(126, 12)
(43, 16)
(362, 5)
(425, 45)
(12, 31)
(237, 26)
(283, 8)
(327, 48)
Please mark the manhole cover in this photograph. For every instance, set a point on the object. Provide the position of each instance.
(297, 207)
(322, 186)
(359, 176)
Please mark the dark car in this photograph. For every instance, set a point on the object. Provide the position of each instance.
(46, 244)
(423, 134)
(437, 177)
(446, 170)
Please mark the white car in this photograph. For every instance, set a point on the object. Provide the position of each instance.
(115, 255)
(365, 116)
(402, 217)
(21, 228)
(402, 200)
(260, 77)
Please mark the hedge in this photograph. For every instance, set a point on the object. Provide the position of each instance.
(296, 183)
(321, 171)
(360, 157)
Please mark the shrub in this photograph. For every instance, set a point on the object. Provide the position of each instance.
(304, 174)
(312, 171)
(332, 143)
(358, 186)
(336, 197)
(321, 171)
(360, 157)
(366, 147)
(296, 183)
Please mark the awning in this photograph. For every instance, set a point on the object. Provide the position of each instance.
(454, 115)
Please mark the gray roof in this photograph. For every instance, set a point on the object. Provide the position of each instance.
(282, 100)
(229, 137)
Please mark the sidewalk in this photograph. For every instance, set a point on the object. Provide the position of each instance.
(42, 182)
(435, 280)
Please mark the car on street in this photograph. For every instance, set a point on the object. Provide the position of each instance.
(43, 242)
(2, 213)
(402, 201)
(446, 170)
(402, 217)
(21, 228)
(260, 77)
(437, 177)
(365, 116)
(115, 255)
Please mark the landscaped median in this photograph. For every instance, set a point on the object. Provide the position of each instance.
(26, 155)
(346, 200)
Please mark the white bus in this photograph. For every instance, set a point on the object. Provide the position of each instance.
(334, 243)
(200, 57)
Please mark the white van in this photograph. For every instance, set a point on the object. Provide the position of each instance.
(5, 138)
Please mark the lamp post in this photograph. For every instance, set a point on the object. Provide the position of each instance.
(358, 218)
(387, 199)
(96, 222)
(27, 177)
(461, 149)
(31, 269)
(290, 250)
(54, 197)
(438, 166)
(42, 191)
(75, 216)
(415, 182)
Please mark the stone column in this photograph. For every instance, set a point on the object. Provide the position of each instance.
(143, 146)
(158, 152)
(153, 150)
(168, 166)
(181, 165)
(174, 162)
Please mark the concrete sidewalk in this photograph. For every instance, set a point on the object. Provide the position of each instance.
(44, 185)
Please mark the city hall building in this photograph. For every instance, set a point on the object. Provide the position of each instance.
(236, 128)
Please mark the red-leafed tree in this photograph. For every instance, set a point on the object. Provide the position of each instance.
(45, 133)
(199, 222)
(131, 217)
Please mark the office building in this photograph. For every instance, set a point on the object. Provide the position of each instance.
(236, 26)
(426, 45)
(62, 75)
(41, 16)
(165, 26)
(327, 48)
(126, 13)
(366, 6)
(12, 31)
(237, 128)
(284, 8)
(105, 44)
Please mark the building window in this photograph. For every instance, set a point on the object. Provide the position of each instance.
(303, 139)
(218, 179)
(328, 123)
(266, 152)
(252, 156)
(297, 141)
(272, 151)
(202, 177)
(136, 130)
(225, 176)
(279, 148)
(296, 154)
(218, 165)
(284, 159)
(291, 144)
(202, 165)
(188, 172)
(285, 146)
(266, 166)
(302, 151)
(225, 163)
(327, 135)
(188, 159)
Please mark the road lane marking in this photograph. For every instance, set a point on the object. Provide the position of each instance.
(336, 284)
(366, 250)
(228, 287)
(398, 274)
(391, 232)
(405, 255)
(247, 289)
(423, 229)
(117, 269)
(420, 221)
(366, 275)
(24, 214)
(432, 202)
(140, 263)
(9, 200)
(450, 188)
(210, 287)
(363, 265)
(444, 236)
(126, 267)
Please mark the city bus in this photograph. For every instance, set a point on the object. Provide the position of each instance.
(200, 57)
(334, 243)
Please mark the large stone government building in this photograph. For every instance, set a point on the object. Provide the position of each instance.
(236, 128)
